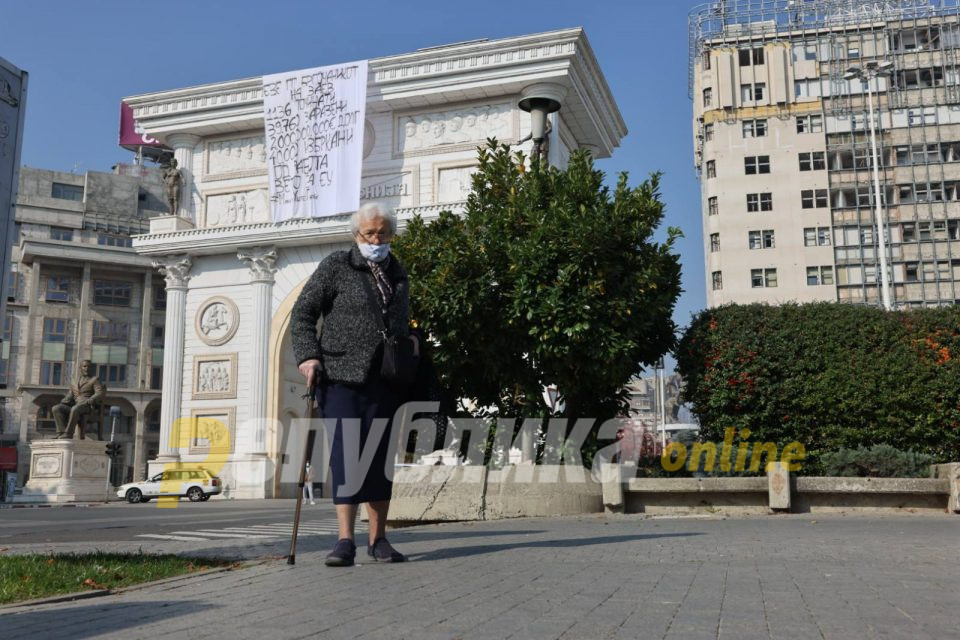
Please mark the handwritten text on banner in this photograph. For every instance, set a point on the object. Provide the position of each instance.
(314, 132)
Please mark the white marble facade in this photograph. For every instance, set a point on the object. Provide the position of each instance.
(232, 274)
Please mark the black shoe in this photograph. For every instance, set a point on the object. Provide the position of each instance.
(343, 554)
(382, 551)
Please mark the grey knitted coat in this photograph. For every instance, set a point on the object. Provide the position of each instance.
(343, 293)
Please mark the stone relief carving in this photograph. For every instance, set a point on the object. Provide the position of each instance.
(214, 377)
(261, 261)
(453, 183)
(240, 154)
(228, 209)
(174, 269)
(94, 466)
(217, 321)
(455, 126)
(212, 431)
(48, 466)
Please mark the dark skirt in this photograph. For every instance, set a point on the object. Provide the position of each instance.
(349, 411)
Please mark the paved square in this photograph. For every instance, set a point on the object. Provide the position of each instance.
(589, 577)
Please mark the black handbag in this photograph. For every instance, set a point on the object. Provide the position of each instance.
(399, 363)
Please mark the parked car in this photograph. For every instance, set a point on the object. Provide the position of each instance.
(196, 484)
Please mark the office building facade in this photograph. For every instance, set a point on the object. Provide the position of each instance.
(78, 291)
(782, 91)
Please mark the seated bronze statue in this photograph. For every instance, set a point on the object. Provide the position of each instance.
(81, 401)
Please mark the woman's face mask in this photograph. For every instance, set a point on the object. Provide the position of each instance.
(375, 252)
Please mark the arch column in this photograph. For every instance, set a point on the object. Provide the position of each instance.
(262, 264)
(175, 269)
(183, 145)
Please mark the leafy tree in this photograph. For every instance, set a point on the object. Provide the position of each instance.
(548, 278)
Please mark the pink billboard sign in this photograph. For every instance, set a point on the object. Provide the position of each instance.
(131, 134)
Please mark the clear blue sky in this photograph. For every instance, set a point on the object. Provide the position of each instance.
(83, 57)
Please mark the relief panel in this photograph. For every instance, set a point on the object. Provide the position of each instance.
(452, 129)
(235, 208)
(234, 157)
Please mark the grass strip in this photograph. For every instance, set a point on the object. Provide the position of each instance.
(33, 576)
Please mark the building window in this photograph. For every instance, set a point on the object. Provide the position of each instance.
(816, 236)
(752, 92)
(823, 236)
(912, 271)
(112, 374)
(45, 421)
(159, 297)
(705, 57)
(157, 340)
(761, 239)
(759, 202)
(908, 231)
(756, 164)
(13, 283)
(810, 124)
(712, 206)
(156, 377)
(760, 278)
(813, 198)
(921, 116)
(711, 169)
(751, 56)
(153, 421)
(707, 132)
(57, 289)
(107, 332)
(5, 367)
(754, 128)
(819, 275)
(54, 330)
(114, 240)
(59, 233)
(853, 52)
(714, 242)
(803, 51)
(707, 97)
(813, 161)
(67, 192)
(717, 280)
(51, 372)
(112, 293)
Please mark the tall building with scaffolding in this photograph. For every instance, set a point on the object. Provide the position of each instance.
(785, 149)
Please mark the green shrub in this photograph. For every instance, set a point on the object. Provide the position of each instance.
(827, 375)
(878, 461)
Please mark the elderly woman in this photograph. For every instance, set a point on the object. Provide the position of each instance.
(358, 293)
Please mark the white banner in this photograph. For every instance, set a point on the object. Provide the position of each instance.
(313, 121)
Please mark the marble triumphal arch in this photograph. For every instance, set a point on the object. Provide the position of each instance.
(232, 275)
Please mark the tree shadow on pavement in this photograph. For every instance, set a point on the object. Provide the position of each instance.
(461, 552)
(90, 620)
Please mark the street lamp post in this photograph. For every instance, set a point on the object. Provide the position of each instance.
(866, 74)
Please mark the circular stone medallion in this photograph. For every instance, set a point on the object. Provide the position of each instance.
(217, 321)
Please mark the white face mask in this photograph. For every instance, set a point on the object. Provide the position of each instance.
(375, 252)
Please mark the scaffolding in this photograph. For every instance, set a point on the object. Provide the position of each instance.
(732, 20)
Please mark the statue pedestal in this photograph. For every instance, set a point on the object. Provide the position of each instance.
(166, 224)
(66, 471)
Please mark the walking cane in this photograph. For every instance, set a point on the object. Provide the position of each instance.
(311, 437)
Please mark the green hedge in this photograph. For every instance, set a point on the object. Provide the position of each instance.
(828, 375)
(878, 461)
